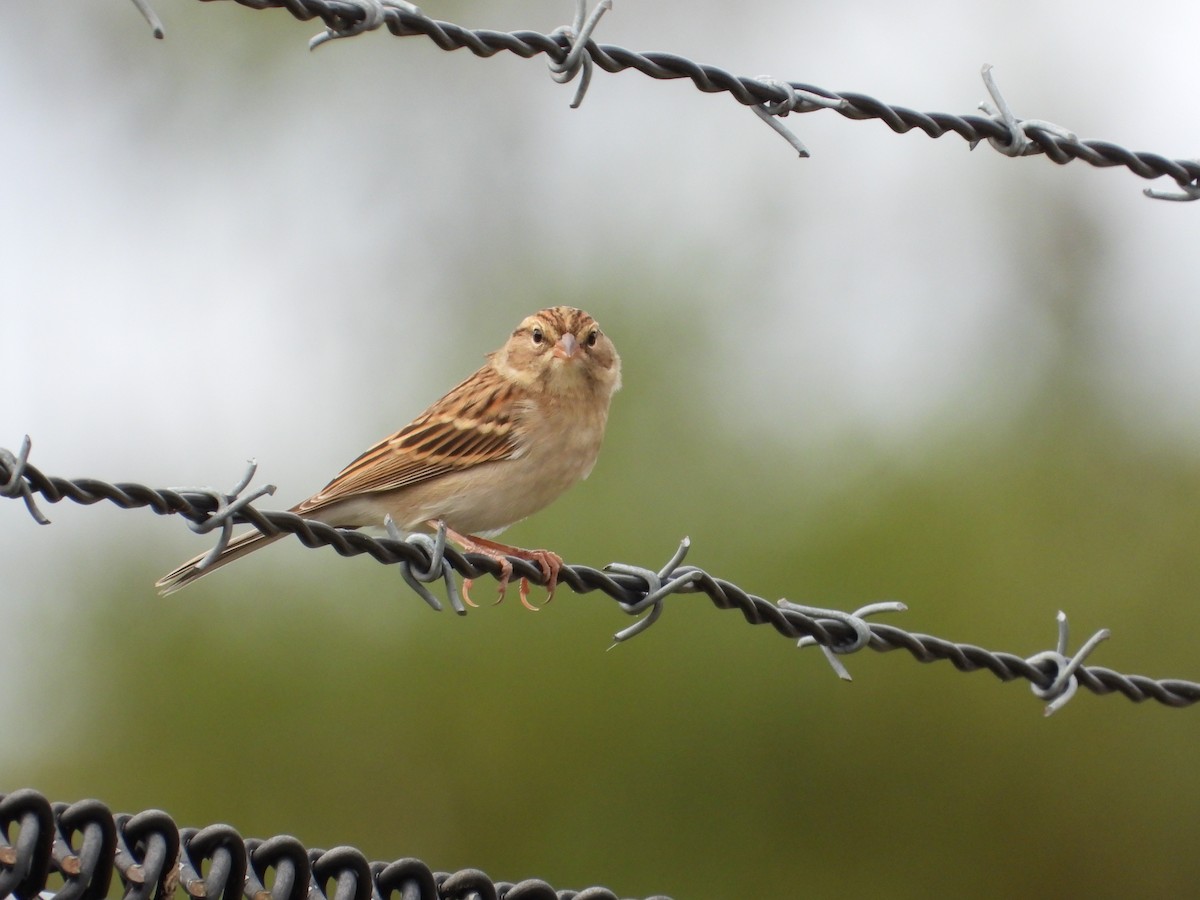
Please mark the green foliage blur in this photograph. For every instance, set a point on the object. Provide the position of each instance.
(301, 692)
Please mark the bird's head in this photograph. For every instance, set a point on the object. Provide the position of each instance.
(561, 350)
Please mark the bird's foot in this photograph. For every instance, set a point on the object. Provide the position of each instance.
(549, 562)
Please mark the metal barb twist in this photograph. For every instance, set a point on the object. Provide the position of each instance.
(1019, 143)
(772, 112)
(656, 591)
(577, 58)
(374, 15)
(229, 505)
(855, 621)
(1186, 193)
(156, 26)
(438, 568)
(17, 485)
(1063, 687)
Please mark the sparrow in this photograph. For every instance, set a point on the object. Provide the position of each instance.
(500, 446)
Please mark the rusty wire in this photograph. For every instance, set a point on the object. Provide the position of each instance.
(85, 844)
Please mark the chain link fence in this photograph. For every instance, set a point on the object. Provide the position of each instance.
(84, 844)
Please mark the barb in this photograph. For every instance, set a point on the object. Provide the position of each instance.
(227, 507)
(16, 485)
(343, 19)
(656, 591)
(1186, 194)
(855, 620)
(634, 588)
(153, 858)
(438, 567)
(771, 113)
(373, 17)
(1064, 685)
(1017, 141)
(578, 34)
(151, 17)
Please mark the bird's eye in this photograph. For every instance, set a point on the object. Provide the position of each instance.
(592, 337)
(537, 335)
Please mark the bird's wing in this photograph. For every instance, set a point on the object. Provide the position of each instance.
(471, 425)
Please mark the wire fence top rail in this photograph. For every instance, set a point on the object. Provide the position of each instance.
(84, 844)
(1053, 675)
(572, 52)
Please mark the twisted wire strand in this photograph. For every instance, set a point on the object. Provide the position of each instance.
(350, 17)
(85, 844)
(636, 589)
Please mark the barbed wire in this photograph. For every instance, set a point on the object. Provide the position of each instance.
(571, 52)
(1053, 675)
(85, 844)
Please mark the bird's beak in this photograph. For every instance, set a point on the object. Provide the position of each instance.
(567, 347)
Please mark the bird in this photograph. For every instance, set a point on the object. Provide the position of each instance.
(500, 446)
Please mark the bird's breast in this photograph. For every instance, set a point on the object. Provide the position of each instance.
(554, 452)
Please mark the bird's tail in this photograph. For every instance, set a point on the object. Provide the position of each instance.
(238, 547)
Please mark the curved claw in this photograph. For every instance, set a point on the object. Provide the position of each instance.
(523, 593)
(505, 575)
(548, 561)
(551, 564)
(466, 593)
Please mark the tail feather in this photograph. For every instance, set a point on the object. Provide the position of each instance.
(238, 547)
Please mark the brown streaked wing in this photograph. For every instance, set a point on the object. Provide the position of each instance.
(445, 438)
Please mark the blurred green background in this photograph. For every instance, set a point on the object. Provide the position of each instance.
(893, 371)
